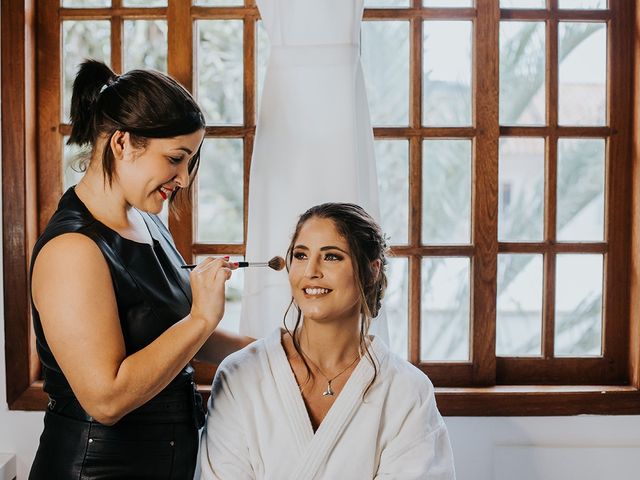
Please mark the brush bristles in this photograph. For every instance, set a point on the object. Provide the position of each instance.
(277, 263)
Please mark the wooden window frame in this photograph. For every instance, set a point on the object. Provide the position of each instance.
(489, 386)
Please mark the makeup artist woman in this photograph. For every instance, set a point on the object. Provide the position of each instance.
(116, 320)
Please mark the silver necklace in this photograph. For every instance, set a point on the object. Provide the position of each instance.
(329, 391)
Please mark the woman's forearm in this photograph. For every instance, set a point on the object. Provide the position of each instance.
(142, 375)
(220, 344)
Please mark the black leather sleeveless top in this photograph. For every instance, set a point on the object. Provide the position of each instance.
(151, 289)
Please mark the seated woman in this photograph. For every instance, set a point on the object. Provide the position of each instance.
(325, 400)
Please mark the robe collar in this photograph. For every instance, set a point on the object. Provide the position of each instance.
(313, 448)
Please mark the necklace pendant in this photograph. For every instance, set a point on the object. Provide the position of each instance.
(328, 392)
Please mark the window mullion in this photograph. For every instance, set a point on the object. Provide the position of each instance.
(485, 192)
(618, 185)
(551, 173)
(180, 66)
(415, 183)
(116, 38)
(49, 91)
(250, 95)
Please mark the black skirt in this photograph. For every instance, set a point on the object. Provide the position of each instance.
(158, 443)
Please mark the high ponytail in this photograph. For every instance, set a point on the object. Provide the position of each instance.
(145, 103)
(90, 81)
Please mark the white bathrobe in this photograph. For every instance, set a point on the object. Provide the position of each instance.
(258, 426)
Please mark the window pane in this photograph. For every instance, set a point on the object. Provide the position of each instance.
(385, 3)
(219, 196)
(523, 4)
(385, 60)
(232, 294)
(263, 50)
(220, 71)
(72, 155)
(446, 191)
(396, 305)
(578, 322)
(581, 175)
(582, 91)
(145, 44)
(522, 73)
(82, 40)
(86, 3)
(519, 306)
(588, 4)
(521, 190)
(392, 160)
(219, 3)
(447, 73)
(448, 3)
(445, 309)
(144, 3)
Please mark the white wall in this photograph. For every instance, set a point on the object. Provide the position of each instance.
(19, 431)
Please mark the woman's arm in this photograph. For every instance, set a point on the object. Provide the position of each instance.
(73, 292)
(220, 344)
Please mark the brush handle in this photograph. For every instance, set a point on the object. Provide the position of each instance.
(240, 265)
(252, 264)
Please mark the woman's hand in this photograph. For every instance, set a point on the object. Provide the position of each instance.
(207, 288)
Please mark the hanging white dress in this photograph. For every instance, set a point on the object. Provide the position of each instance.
(314, 141)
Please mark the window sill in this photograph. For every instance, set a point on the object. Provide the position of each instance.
(539, 400)
(501, 401)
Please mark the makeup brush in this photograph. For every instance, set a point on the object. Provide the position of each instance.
(276, 263)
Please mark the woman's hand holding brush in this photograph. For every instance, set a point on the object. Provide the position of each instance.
(207, 288)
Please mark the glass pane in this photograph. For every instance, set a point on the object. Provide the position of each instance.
(220, 71)
(145, 44)
(519, 306)
(263, 50)
(580, 4)
(445, 314)
(385, 60)
(523, 4)
(446, 191)
(448, 3)
(447, 74)
(396, 305)
(82, 40)
(233, 295)
(219, 195)
(392, 160)
(582, 91)
(521, 190)
(581, 175)
(144, 3)
(522, 73)
(385, 3)
(219, 3)
(578, 322)
(85, 3)
(72, 157)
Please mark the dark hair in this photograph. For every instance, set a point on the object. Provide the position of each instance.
(366, 245)
(145, 103)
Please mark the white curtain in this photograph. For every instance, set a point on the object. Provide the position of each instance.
(314, 141)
